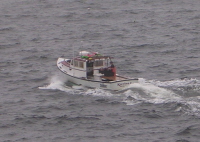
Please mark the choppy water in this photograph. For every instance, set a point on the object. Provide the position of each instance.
(156, 41)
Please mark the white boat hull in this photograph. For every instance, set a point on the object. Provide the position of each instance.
(93, 83)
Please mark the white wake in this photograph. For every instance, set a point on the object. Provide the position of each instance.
(158, 92)
(155, 92)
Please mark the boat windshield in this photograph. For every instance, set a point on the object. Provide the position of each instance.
(98, 63)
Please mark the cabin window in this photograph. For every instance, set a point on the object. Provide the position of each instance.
(89, 64)
(76, 63)
(81, 65)
(98, 63)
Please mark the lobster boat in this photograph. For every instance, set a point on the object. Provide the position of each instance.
(91, 69)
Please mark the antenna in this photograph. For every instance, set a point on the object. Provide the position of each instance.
(73, 60)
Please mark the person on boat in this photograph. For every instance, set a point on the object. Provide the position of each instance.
(111, 65)
(109, 71)
(112, 69)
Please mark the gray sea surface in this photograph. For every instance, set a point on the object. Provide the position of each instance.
(157, 41)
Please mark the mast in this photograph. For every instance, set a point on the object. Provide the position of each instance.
(73, 60)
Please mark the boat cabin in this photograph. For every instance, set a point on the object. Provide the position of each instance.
(90, 65)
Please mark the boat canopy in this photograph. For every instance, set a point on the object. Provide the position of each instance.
(89, 56)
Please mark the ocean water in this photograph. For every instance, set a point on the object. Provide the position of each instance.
(157, 41)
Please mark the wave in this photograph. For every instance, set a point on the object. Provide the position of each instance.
(58, 82)
(177, 83)
(146, 91)
(184, 87)
(185, 94)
